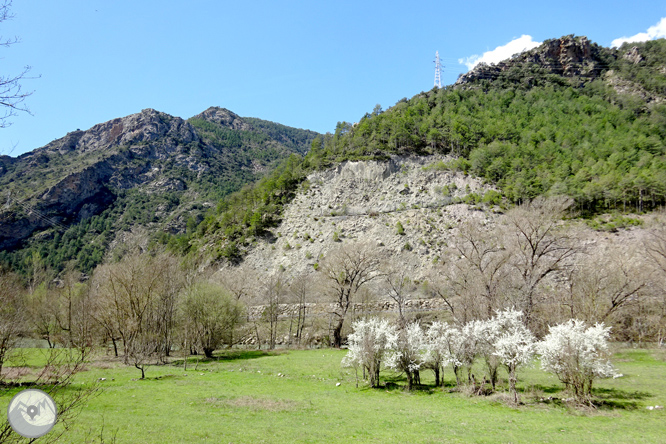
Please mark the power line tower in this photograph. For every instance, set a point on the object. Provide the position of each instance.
(438, 70)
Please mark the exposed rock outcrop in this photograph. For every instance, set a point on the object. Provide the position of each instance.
(364, 201)
(141, 128)
(568, 56)
(223, 117)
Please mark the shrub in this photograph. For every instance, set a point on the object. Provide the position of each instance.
(577, 355)
(411, 353)
(368, 344)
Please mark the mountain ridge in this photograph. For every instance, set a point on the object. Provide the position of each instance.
(85, 173)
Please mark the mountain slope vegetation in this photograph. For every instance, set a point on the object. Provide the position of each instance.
(534, 132)
(567, 118)
(144, 175)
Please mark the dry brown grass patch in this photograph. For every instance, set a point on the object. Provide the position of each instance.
(15, 373)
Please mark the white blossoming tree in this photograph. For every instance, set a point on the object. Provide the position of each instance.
(368, 344)
(450, 344)
(514, 346)
(438, 348)
(411, 353)
(578, 355)
(487, 332)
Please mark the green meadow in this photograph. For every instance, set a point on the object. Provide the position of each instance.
(294, 396)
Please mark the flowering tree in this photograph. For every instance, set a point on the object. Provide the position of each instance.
(486, 334)
(438, 348)
(449, 344)
(368, 345)
(514, 345)
(411, 353)
(469, 347)
(577, 355)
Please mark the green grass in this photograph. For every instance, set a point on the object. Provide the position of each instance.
(241, 398)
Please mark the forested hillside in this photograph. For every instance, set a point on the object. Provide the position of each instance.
(567, 118)
(133, 180)
(599, 138)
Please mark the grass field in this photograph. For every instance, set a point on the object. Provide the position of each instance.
(285, 397)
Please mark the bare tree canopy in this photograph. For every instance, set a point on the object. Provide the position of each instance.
(346, 270)
(12, 96)
(538, 247)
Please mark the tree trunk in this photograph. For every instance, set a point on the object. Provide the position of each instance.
(437, 382)
(256, 330)
(337, 333)
(115, 346)
(493, 377)
(512, 384)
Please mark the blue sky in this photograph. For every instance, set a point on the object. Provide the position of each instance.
(307, 64)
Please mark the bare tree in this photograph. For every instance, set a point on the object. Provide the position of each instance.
(12, 314)
(604, 283)
(538, 248)
(300, 291)
(477, 270)
(138, 299)
(55, 375)
(144, 348)
(81, 327)
(238, 281)
(103, 309)
(61, 311)
(655, 246)
(44, 311)
(345, 271)
(12, 96)
(274, 293)
(398, 285)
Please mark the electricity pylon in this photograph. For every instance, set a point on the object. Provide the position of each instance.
(438, 71)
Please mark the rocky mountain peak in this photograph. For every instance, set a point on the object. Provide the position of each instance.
(224, 117)
(568, 56)
(147, 126)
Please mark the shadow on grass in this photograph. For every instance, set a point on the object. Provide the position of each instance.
(228, 355)
(548, 389)
(606, 393)
(398, 382)
(602, 398)
(618, 399)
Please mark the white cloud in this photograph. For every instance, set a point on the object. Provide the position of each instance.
(515, 46)
(654, 32)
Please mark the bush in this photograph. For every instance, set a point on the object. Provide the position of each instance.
(368, 344)
(577, 355)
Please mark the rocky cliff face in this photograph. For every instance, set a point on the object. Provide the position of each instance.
(148, 126)
(73, 176)
(364, 201)
(567, 56)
